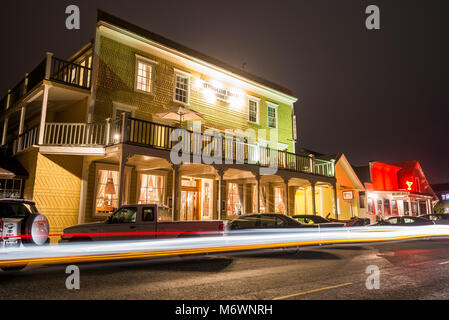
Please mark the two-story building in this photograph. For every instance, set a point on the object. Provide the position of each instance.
(96, 131)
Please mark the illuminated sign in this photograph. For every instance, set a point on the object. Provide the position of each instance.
(222, 94)
(348, 195)
(409, 184)
(216, 90)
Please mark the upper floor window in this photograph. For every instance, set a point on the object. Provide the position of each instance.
(253, 109)
(144, 74)
(443, 197)
(182, 87)
(272, 117)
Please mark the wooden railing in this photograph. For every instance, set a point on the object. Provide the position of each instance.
(70, 73)
(235, 149)
(75, 134)
(229, 149)
(58, 70)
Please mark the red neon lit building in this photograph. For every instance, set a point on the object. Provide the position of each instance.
(397, 189)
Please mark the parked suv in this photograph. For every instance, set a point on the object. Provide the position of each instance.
(21, 225)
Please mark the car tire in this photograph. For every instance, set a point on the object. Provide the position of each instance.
(35, 229)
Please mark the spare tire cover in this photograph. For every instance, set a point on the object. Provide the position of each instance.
(36, 229)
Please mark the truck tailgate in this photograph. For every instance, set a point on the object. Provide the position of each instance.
(189, 228)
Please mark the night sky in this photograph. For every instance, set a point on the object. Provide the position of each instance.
(374, 95)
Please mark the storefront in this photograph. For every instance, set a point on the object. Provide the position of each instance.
(398, 189)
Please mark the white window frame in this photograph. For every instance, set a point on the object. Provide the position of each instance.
(124, 107)
(153, 64)
(189, 82)
(110, 167)
(275, 106)
(257, 101)
(156, 172)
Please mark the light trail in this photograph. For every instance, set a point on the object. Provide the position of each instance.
(230, 241)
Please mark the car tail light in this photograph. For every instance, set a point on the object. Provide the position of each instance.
(221, 227)
(1, 227)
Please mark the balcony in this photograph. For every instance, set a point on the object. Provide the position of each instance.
(157, 136)
(52, 69)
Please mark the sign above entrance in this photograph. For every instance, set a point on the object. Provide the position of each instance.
(348, 195)
(215, 90)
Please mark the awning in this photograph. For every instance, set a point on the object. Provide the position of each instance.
(11, 168)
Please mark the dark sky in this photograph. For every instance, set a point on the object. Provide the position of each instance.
(374, 95)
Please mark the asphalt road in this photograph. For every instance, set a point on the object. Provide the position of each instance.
(408, 270)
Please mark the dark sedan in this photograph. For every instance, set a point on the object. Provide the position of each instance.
(404, 221)
(437, 218)
(266, 221)
(317, 220)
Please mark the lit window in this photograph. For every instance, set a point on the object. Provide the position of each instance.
(443, 197)
(144, 76)
(182, 88)
(447, 196)
(272, 116)
(152, 189)
(107, 191)
(253, 110)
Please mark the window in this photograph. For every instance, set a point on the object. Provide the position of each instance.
(234, 205)
(271, 115)
(107, 189)
(164, 214)
(393, 220)
(125, 215)
(11, 188)
(119, 108)
(148, 214)
(371, 206)
(152, 189)
(279, 195)
(253, 110)
(182, 87)
(443, 197)
(144, 75)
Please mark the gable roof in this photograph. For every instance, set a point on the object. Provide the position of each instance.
(106, 17)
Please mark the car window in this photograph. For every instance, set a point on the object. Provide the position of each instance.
(124, 215)
(409, 220)
(393, 220)
(164, 214)
(16, 210)
(302, 220)
(249, 222)
(268, 221)
(434, 217)
(319, 219)
(148, 214)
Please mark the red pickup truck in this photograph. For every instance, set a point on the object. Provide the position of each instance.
(143, 221)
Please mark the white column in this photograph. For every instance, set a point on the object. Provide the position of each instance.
(43, 115)
(83, 191)
(121, 191)
(21, 125)
(5, 130)
(258, 192)
(174, 195)
(220, 194)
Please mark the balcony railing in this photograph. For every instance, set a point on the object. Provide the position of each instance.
(75, 134)
(235, 149)
(149, 134)
(51, 68)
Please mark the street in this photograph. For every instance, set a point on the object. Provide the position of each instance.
(408, 270)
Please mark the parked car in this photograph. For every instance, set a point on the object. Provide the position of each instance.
(437, 218)
(317, 220)
(266, 221)
(143, 221)
(21, 225)
(404, 221)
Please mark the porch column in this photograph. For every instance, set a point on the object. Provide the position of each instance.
(220, 194)
(121, 190)
(5, 130)
(334, 186)
(312, 184)
(21, 125)
(258, 192)
(43, 115)
(409, 208)
(174, 194)
(287, 210)
(429, 204)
